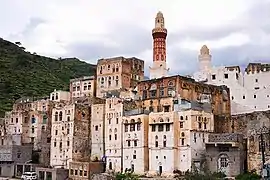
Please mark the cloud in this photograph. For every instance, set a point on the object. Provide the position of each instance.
(237, 32)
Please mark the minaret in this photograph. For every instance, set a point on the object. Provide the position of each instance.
(204, 59)
(159, 33)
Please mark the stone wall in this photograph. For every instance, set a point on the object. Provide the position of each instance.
(249, 124)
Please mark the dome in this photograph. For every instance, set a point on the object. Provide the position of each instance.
(159, 14)
(204, 50)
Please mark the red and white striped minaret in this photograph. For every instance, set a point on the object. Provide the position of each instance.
(159, 33)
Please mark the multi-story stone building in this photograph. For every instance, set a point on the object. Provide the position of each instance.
(226, 153)
(135, 142)
(157, 94)
(113, 134)
(97, 131)
(59, 95)
(118, 73)
(70, 134)
(249, 90)
(81, 87)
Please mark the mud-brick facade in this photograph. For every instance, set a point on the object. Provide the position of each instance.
(152, 92)
(118, 73)
(251, 125)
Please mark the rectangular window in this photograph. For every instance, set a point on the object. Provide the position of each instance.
(126, 128)
(135, 143)
(244, 97)
(167, 127)
(153, 128)
(213, 77)
(128, 143)
(181, 124)
(160, 127)
(255, 96)
(226, 76)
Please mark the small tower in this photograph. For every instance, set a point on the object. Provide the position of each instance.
(204, 59)
(159, 34)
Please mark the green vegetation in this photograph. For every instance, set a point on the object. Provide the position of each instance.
(128, 175)
(24, 74)
(248, 176)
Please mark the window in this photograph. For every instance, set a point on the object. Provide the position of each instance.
(166, 108)
(223, 162)
(200, 125)
(167, 127)
(85, 173)
(110, 137)
(33, 129)
(255, 96)
(96, 127)
(256, 80)
(205, 125)
(213, 76)
(33, 119)
(68, 118)
(81, 172)
(181, 124)
(54, 144)
(67, 143)
(135, 143)
(244, 97)
(56, 132)
(117, 120)
(226, 76)
(153, 128)
(60, 116)
(132, 127)
(138, 127)
(182, 141)
(110, 165)
(160, 127)
(17, 120)
(126, 128)
(67, 130)
(134, 156)
(156, 143)
(115, 137)
(128, 142)
(232, 97)
(71, 172)
(164, 143)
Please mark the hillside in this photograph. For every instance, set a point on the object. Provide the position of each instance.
(25, 74)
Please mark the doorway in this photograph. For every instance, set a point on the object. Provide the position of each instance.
(160, 170)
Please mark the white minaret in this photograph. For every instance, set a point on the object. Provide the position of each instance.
(204, 59)
(159, 68)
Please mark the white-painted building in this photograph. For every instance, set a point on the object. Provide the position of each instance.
(195, 126)
(59, 95)
(84, 86)
(162, 142)
(97, 131)
(62, 135)
(249, 89)
(113, 134)
(135, 143)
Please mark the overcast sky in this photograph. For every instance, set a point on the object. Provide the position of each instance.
(236, 31)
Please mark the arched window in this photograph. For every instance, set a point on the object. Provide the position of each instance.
(181, 118)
